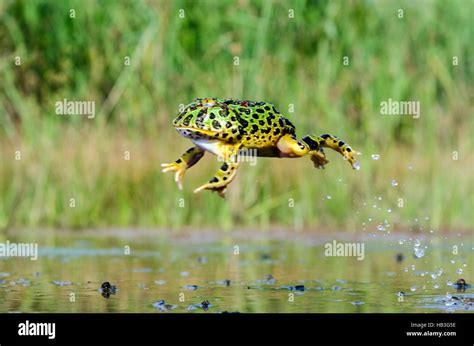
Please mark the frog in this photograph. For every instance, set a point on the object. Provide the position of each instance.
(228, 128)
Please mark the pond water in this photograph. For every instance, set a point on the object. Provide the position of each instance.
(231, 273)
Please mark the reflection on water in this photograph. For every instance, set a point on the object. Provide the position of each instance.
(90, 274)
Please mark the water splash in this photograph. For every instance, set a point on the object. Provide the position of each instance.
(419, 252)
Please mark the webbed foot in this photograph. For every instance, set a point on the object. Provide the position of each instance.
(221, 179)
(187, 160)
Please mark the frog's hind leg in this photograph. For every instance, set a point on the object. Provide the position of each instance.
(187, 160)
(316, 144)
(223, 176)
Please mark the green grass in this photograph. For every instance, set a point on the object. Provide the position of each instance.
(285, 61)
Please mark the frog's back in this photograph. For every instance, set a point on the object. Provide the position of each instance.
(255, 124)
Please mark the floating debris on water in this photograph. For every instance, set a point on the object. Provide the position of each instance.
(399, 257)
(294, 288)
(162, 306)
(106, 289)
(62, 283)
(205, 305)
(268, 280)
(202, 259)
(358, 302)
(225, 282)
(460, 285)
(375, 157)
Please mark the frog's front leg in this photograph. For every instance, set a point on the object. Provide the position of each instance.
(224, 175)
(187, 160)
(316, 143)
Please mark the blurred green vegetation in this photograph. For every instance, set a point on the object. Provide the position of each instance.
(287, 61)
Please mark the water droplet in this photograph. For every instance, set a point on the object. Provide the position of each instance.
(375, 157)
(452, 261)
(389, 210)
(380, 228)
(413, 288)
(459, 271)
(433, 275)
(356, 166)
(410, 167)
(328, 197)
(436, 285)
(419, 252)
(417, 242)
(449, 283)
(394, 182)
(401, 241)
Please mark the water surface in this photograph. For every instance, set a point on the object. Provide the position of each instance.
(282, 273)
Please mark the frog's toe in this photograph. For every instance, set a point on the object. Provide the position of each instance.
(175, 167)
(221, 190)
(319, 159)
(351, 157)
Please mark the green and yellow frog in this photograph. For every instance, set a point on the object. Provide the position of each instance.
(227, 127)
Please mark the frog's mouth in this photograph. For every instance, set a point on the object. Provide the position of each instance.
(193, 133)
